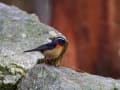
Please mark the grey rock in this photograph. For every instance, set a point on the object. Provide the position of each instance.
(19, 31)
(43, 77)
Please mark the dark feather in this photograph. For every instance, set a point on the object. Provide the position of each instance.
(42, 48)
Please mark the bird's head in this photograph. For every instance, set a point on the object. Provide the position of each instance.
(59, 41)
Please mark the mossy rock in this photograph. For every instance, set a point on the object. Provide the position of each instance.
(19, 31)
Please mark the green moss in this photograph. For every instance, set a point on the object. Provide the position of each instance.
(115, 88)
(17, 66)
(5, 70)
(8, 87)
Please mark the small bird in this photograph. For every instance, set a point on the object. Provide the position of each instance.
(53, 51)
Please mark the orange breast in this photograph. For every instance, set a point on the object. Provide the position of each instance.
(58, 46)
(54, 53)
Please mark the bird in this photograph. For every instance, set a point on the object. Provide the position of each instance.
(53, 51)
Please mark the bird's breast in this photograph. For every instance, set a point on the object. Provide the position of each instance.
(54, 53)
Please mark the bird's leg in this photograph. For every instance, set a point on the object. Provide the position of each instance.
(55, 61)
(49, 61)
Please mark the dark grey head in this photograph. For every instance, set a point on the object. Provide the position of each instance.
(59, 40)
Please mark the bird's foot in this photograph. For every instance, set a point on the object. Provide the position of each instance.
(54, 62)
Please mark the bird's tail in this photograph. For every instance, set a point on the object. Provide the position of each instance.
(32, 50)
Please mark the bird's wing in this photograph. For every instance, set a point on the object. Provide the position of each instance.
(43, 47)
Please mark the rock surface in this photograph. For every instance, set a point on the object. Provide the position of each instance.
(43, 77)
(19, 31)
